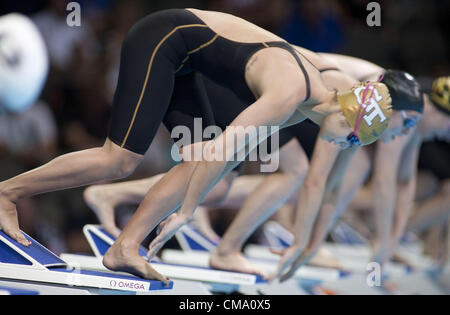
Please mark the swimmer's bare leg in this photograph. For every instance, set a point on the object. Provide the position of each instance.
(161, 200)
(267, 198)
(214, 199)
(432, 211)
(203, 224)
(103, 199)
(242, 187)
(68, 171)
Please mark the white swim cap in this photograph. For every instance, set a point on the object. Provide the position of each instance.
(23, 63)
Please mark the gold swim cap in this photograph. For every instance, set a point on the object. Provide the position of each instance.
(440, 94)
(370, 120)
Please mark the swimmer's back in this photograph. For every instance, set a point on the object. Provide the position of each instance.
(234, 28)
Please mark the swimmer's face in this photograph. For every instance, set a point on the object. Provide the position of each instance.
(395, 128)
(335, 129)
(410, 120)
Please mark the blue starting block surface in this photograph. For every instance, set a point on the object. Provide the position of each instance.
(345, 234)
(14, 291)
(100, 241)
(22, 255)
(190, 239)
(277, 236)
(196, 248)
(231, 275)
(38, 264)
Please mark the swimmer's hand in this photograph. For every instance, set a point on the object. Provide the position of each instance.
(166, 230)
(292, 258)
(381, 253)
(9, 222)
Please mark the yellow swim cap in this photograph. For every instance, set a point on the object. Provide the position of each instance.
(367, 108)
(440, 94)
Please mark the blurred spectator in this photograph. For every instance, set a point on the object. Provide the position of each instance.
(61, 39)
(267, 14)
(30, 137)
(25, 7)
(315, 25)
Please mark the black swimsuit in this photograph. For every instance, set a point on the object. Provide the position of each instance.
(159, 60)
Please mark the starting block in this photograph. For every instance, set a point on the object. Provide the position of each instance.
(14, 291)
(36, 264)
(277, 236)
(100, 241)
(190, 239)
(354, 255)
(343, 233)
(196, 248)
(201, 259)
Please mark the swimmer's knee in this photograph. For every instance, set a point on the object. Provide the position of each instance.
(297, 171)
(187, 168)
(192, 152)
(294, 161)
(120, 161)
(219, 193)
(124, 167)
(300, 171)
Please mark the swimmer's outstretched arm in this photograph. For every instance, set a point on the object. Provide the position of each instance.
(330, 211)
(77, 169)
(261, 204)
(317, 206)
(406, 190)
(384, 186)
(269, 110)
(309, 202)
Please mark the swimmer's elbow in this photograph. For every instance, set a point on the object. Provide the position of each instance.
(286, 106)
(295, 96)
(287, 97)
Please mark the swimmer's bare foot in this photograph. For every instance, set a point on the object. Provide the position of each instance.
(9, 222)
(325, 259)
(234, 262)
(103, 206)
(126, 259)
